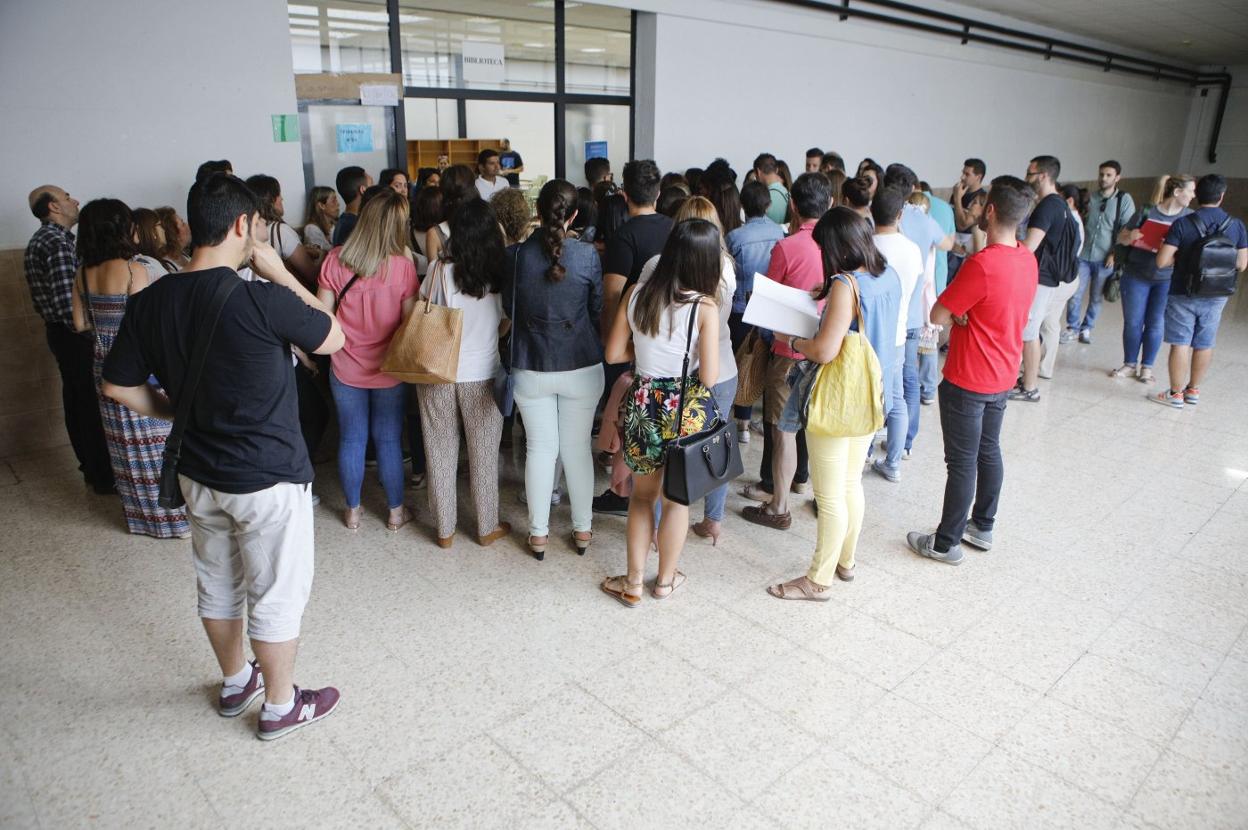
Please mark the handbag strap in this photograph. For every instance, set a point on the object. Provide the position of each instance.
(511, 335)
(195, 370)
(345, 289)
(684, 369)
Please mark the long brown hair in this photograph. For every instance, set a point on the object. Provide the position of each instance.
(844, 239)
(689, 269)
(317, 198)
(555, 205)
(149, 230)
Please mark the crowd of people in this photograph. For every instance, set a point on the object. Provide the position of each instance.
(619, 314)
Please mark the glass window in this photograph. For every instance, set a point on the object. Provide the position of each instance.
(595, 130)
(478, 44)
(597, 49)
(340, 36)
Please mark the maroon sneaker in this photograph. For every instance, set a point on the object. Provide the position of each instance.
(310, 705)
(231, 706)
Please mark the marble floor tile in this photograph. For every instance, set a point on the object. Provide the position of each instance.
(1139, 704)
(832, 789)
(912, 747)
(1216, 737)
(1006, 792)
(970, 695)
(814, 693)
(1083, 750)
(1184, 793)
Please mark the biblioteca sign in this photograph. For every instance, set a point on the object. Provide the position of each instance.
(484, 61)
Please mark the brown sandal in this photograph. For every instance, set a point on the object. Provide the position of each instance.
(351, 517)
(677, 580)
(760, 516)
(580, 544)
(618, 587)
(799, 589)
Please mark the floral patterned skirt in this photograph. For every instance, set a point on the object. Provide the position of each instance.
(650, 418)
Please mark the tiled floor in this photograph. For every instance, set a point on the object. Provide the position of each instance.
(1091, 671)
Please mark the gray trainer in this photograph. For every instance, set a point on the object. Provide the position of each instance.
(976, 537)
(924, 544)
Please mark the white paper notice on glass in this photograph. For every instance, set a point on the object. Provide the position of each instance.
(379, 95)
(782, 308)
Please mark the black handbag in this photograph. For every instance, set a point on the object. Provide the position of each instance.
(699, 463)
(504, 381)
(170, 496)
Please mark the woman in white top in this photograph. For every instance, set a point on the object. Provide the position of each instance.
(457, 189)
(671, 314)
(468, 277)
(284, 239)
(725, 389)
(318, 225)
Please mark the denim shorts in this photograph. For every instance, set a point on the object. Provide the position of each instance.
(800, 378)
(1193, 321)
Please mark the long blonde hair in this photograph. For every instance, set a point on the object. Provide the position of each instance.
(380, 233)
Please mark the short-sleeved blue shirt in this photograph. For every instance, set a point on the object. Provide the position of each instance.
(1187, 230)
(923, 231)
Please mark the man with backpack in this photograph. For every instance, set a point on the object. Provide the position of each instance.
(1208, 249)
(1109, 210)
(1053, 236)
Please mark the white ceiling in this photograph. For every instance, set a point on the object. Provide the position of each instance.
(1196, 32)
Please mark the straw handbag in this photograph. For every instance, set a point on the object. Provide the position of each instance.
(752, 359)
(425, 348)
(847, 400)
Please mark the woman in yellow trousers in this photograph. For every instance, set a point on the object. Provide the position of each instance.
(863, 295)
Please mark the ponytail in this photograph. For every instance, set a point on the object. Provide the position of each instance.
(555, 206)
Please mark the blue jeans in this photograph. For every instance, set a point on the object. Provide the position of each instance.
(363, 412)
(911, 381)
(723, 393)
(1143, 318)
(1094, 274)
(897, 421)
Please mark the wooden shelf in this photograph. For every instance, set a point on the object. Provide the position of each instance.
(424, 152)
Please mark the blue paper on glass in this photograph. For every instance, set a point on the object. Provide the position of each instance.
(355, 138)
(595, 150)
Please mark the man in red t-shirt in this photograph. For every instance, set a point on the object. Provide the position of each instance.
(988, 305)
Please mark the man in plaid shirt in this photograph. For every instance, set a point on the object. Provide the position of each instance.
(51, 263)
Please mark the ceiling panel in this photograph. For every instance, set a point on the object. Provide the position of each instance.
(1197, 32)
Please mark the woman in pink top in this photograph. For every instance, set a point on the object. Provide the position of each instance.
(371, 282)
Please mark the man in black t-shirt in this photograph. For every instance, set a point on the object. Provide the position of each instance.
(510, 163)
(965, 192)
(1052, 235)
(628, 250)
(244, 468)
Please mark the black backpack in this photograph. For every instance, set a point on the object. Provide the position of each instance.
(1062, 250)
(1207, 267)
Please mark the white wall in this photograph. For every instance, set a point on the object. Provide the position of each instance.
(1232, 140)
(126, 99)
(757, 76)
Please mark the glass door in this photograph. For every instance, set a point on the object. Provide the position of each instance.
(337, 135)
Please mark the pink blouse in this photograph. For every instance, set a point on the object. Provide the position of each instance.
(370, 313)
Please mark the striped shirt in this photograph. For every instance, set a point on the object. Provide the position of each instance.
(51, 263)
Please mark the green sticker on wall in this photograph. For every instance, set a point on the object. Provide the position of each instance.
(285, 128)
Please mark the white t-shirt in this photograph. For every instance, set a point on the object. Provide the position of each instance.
(478, 344)
(663, 355)
(905, 258)
(727, 287)
(313, 235)
(284, 239)
(487, 190)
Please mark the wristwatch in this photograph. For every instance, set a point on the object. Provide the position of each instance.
(792, 340)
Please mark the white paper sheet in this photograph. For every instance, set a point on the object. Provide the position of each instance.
(782, 308)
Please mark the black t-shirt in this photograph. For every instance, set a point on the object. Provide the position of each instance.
(967, 198)
(1053, 217)
(508, 161)
(636, 241)
(243, 435)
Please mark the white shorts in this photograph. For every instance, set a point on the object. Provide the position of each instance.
(1035, 316)
(253, 549)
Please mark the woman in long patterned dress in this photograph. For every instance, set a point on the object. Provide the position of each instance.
(106, 279)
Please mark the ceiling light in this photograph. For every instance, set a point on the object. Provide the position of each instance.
(593, 50)
(480, 19)
(538, 45)
(550, 4)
